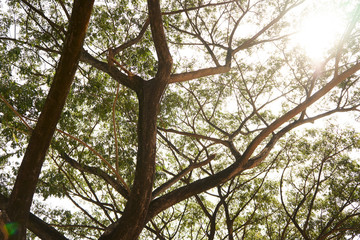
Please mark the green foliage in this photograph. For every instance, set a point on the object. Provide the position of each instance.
(306, 186)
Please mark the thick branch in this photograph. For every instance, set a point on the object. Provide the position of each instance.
(253, 162)
(24, 188)
(158, 35)
(115, 73)
(36, 225)
(301, 107)
(187, 76)
(149, 94)
(204, 184)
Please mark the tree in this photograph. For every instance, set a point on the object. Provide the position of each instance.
(21, 197)
(151, 143)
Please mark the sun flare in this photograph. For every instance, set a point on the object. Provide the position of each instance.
(318, 33)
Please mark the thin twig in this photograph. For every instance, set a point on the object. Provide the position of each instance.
(16, 112)
(115, 130)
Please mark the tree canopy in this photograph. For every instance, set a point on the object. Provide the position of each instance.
(177, 120)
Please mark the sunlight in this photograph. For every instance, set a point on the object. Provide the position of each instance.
(319, 32)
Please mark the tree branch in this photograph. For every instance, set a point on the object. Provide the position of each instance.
(130, 82)
(158, 34)
(187, 76)
(49, 50)
(131, 42)
(27, 178)
(198, 7)
(250, 42)
(181, 174)
(97, 172)
(197, 136)
(169, 199)
(36, 225)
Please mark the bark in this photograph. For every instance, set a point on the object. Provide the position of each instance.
(140, 207)
(24, 188)
(187, 76)
(36, 225)
(133, 220)
(97, 172)
(115, 73)
(196, 187)
(149, 95)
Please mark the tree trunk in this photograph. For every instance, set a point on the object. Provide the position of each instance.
(134, 218)
(149, 94)
(23, 191)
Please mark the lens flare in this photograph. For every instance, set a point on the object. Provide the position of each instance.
(9, 229)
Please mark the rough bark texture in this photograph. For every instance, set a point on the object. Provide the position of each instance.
(149, 95)
(23, 191)
(133, 220)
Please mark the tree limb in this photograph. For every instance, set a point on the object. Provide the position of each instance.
(160, 42)
(36, 225)
(97, 172)
(181, 174)
(187, 76)
(169, 199)
(115, 73)
(24, 188)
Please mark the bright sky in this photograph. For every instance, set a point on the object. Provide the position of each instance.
(320, 30)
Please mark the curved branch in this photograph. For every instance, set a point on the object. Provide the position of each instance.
(36, 225)
(131, 42)
(204, 184)
(97, 172)
(181, 174)
(115, 73)
(160, 42)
